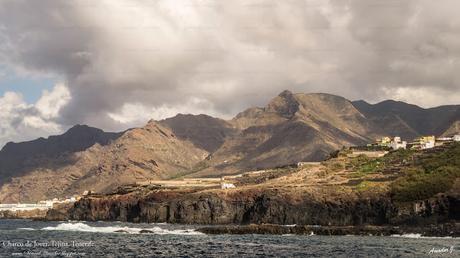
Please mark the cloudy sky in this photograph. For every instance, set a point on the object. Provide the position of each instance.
(116, 64)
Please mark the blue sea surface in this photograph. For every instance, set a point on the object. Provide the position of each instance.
(24, 238)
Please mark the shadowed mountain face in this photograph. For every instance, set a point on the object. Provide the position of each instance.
(150, 152)
(205, 132)
(17, 158)
(409, 121)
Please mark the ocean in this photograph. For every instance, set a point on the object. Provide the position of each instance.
(24, 238)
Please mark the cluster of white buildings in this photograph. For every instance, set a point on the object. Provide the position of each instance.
(42, 205)
(421, 143)
(25, 206)
(394, 143)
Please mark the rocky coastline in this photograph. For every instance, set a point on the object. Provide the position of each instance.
(265, 212)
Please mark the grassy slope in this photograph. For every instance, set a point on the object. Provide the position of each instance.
(418, 174)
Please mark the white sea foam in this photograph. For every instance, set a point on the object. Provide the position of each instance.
(82, 227)
(411, 235)
(28, 229)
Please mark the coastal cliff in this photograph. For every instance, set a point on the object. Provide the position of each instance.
(259, 207)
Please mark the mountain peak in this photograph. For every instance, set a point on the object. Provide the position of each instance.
(80, 128)
(286, 94)
(285, 104)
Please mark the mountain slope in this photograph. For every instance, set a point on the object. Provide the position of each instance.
(453, 129)
(409, 121)
(18, 158)
(203, 131)
(150, 152)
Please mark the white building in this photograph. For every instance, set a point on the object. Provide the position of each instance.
(227, 186)
(428, 145)
(397, 144)
(456, 138)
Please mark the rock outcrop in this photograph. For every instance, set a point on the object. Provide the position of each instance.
(263, 207)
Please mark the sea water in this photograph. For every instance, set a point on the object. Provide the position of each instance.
(24, 238)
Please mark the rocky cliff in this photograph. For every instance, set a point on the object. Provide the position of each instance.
(265, 206)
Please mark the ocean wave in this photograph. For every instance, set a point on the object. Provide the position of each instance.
(411, 235)
(82, 227)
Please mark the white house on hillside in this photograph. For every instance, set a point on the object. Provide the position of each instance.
(227, 186)
(456, 138)
(397, 144)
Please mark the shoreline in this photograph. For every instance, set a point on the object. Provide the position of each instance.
(444, 230)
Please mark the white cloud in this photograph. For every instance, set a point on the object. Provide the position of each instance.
(425, 96)
(51, 102)
(135, 114)
(22, 121)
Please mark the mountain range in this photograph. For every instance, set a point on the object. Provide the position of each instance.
(291, 128)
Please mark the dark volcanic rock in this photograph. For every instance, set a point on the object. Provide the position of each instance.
(260, 207)
(145, 231)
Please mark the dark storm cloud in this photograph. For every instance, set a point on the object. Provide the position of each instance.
(128, 60)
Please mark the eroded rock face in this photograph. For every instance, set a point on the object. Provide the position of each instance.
(258, 207)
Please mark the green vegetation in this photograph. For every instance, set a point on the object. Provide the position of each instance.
(370, 167)
(428, 175)
(363, 165)
(363, 186)
(422, 174)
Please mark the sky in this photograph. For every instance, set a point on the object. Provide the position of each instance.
(117, 64)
